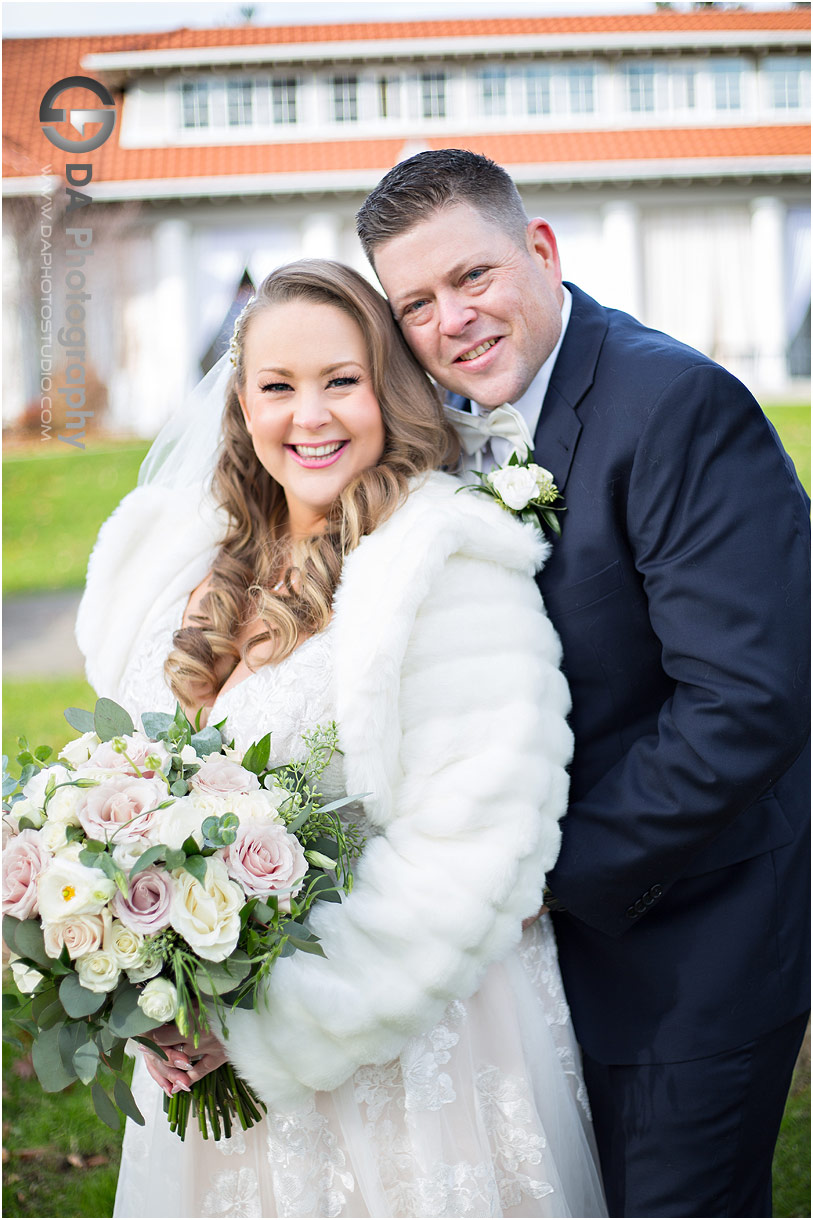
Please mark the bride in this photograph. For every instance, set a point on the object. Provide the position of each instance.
(427, 1066)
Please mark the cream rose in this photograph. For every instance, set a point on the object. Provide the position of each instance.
(123, 806)
(159, 1001)
(127, 854)
(82, 934)
(27, 809)
(261, 806)
(79, 751)
(207, 916)
(98, 971)
(266, 859)
(127, 945)
(64, 805)
(515, 485)
(66, 888)
(24, 861)
(221, 777)
(151, 964)
(545, 487)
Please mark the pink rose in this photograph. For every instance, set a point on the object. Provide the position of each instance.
(23, 860)
(264, 859)
(111, 807)
(220, 776)
(146, 907)
(82, 934)
(138, 748)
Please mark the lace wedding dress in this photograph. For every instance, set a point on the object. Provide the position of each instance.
(485, 1115)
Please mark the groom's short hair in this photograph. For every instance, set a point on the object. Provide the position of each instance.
(415, 189)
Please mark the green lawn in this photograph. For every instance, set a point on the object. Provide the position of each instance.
(54, 501)
(793, 425)
(33, 709)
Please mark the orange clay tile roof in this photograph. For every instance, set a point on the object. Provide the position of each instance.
(32, 64)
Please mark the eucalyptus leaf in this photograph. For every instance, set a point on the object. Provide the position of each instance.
(53, 1014)
(155, 724)
(104, 1107)
(79, 719)
(29, 942)
(9, 784)
(77, 1000)
(26, 774)
(175, 857)
(179, 788)
(72, 1035)
(126, 1018)
(48, 1064)
(11, 1002)
(115, 1054)
(207, 741)
(15, 1042)
(218, 978)
(43, 753)
(86, 1062)
(41, 1001)
(111, 720)
(10, 926)
(126, 1102)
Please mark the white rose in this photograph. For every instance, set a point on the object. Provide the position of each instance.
(545, 486)
(66, 888)
(27, 809)
(82, 934)
(189, 756)
(159, 1001)
(35, 788)
(259, 806)
(26, 977)
(79, 751)
(127, 945)
(64, 804)
(150, 965)
(53, 836)
(98, 971)
(515, 485)
(127, 854)
(207, 916)
(71, 851)
(177, 822)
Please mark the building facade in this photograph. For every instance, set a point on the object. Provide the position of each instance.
(670, 152)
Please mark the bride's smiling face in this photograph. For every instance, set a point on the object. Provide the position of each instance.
(309, 404)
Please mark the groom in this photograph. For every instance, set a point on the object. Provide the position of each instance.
(679, 590)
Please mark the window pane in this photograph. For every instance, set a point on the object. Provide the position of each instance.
(727, 86)
(787, 86)
(240, 96)
(345, 99)
(433, 95)
(283, 94)
(492, 91)
(537, 90)
(641, 87)
(580, 90)
(195, 103)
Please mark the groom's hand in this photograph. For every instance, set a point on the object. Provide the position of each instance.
(526, 923)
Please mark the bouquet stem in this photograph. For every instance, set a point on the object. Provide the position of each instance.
(213, 1100)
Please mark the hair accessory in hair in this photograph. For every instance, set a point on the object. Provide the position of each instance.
(234, 343)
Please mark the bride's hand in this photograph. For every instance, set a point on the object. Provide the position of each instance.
(185, 1063)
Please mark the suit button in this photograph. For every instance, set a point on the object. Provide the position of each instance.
(640, 906)
(656, 891)
(632, 913)
(648, 899)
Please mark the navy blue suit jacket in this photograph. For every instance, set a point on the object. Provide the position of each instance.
(680, 590)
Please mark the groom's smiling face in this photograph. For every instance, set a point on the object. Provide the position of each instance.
(480, 311)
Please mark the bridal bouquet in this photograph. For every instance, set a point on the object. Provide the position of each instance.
(154, 876)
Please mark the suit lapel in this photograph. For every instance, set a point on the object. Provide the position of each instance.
(559, 426)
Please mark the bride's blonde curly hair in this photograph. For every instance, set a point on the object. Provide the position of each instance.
(259, 571)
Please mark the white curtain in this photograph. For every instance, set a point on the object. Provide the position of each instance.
(797, 268)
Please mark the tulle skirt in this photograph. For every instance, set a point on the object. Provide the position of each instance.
(486, 1115)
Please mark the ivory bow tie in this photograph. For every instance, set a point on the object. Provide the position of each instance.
(475, 431)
